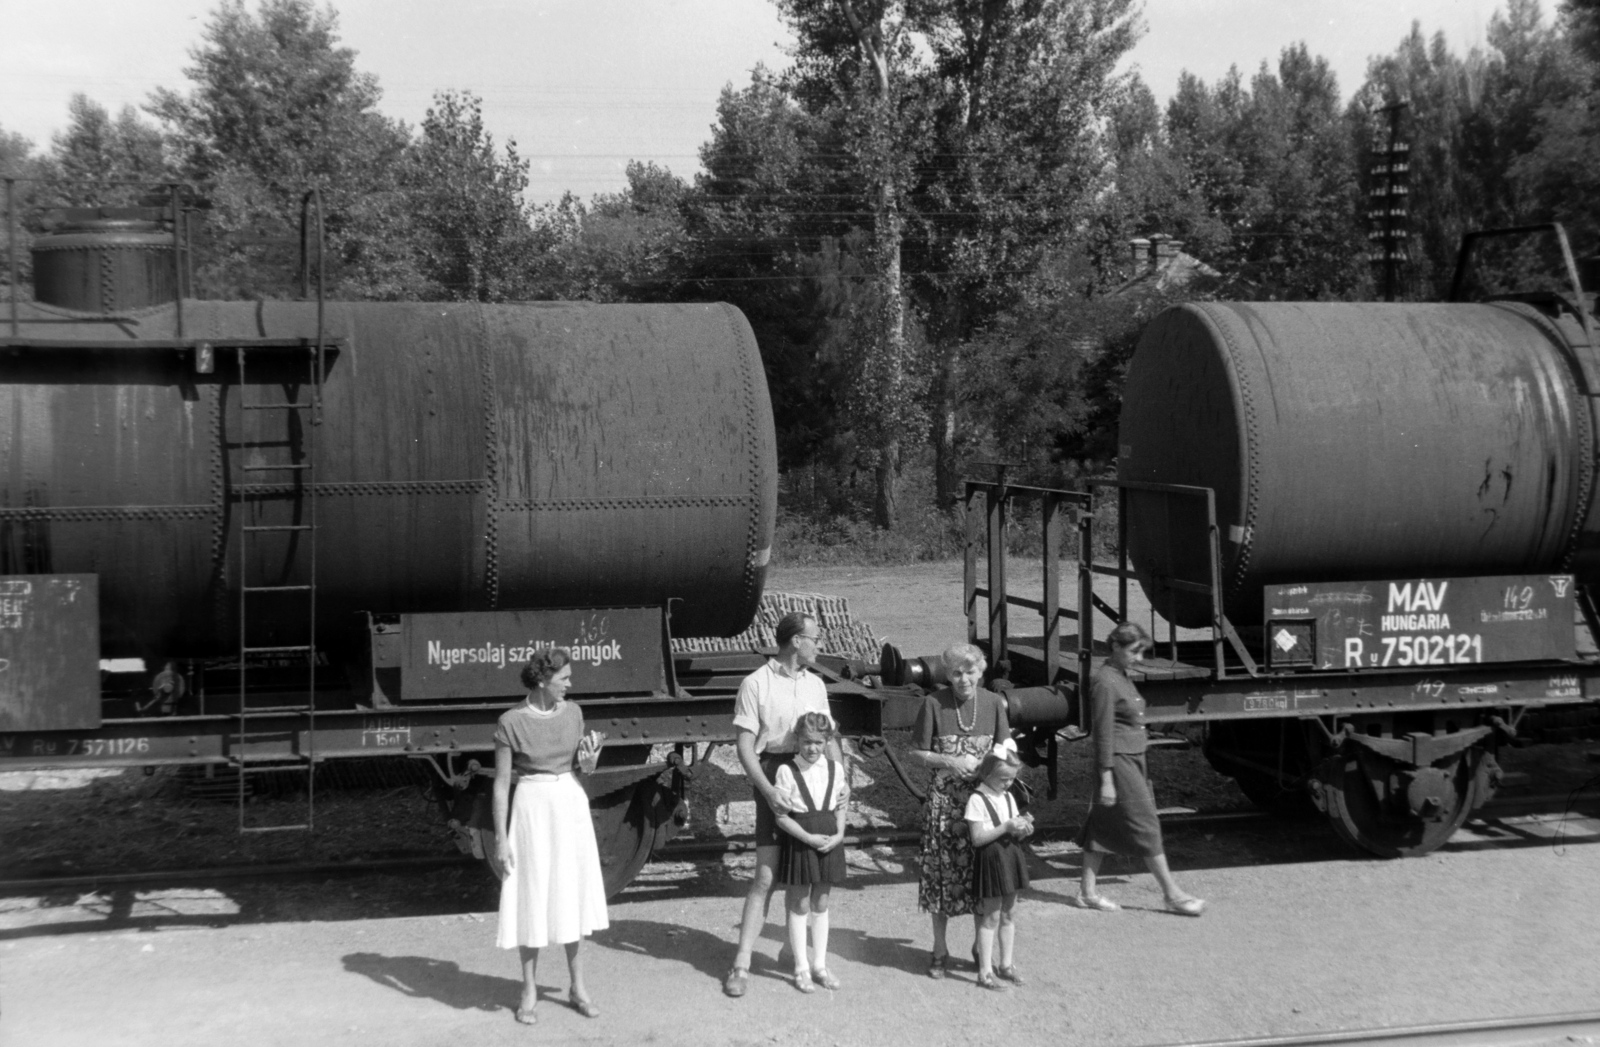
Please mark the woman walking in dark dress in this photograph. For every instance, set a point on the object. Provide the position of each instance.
(1122, 814)
(955, 728)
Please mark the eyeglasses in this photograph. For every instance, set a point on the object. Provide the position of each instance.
(816, 637)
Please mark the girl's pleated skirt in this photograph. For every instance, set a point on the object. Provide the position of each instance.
(555, 893)
(999, 868)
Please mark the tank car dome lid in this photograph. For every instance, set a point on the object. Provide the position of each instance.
(87, 219)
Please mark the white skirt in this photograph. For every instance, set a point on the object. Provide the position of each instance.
(555, 893)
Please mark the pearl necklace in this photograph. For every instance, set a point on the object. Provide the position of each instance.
(966, 728)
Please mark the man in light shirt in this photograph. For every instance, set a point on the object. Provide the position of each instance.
(770, 701)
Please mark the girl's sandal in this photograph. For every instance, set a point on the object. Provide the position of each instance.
(937, 964)
(824, 978)
(583, 1005)
(1010, 974)
(526, 1016)
(802, 981)
(989, 981)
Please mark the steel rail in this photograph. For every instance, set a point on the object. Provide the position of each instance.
(1492, 1032)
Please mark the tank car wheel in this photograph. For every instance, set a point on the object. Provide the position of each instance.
(1394, 811)
(629, 824)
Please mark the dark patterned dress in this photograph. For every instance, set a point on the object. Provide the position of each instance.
(945, 886)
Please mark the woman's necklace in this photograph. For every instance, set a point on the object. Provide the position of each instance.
(966, 728)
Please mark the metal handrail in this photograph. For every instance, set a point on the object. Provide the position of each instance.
(1223, 634)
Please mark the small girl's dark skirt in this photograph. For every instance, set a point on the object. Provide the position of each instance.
(799, 864)
(999, 868)
(1131, 826)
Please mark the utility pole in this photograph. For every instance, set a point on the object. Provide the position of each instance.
(1389, 200)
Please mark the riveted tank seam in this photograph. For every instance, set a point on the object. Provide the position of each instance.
(1581, 503)
(108, 283)
(1251, 442)
(93, 513)
(219, 500)
(491, 453)
(753, 528)
(371, 487)
(673, 501)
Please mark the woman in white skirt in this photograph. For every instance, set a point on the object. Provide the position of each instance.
(551, 891)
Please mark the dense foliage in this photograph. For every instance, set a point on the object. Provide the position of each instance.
(927, 217)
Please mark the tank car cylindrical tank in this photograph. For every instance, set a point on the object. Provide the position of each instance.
(469, 457)
(1355, 441)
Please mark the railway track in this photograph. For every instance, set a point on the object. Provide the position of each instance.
(1578, 1027)
(693, 850)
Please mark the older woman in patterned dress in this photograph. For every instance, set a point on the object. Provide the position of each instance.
(956, 726)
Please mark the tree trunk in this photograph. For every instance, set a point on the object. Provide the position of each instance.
(885, 507)
(892, 346)
(890, 336)
(946, 470)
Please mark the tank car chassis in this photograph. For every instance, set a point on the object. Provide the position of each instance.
(1397, 757)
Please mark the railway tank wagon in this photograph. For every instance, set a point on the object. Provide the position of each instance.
(345, 525)
(1370, 530)
(1401, 536)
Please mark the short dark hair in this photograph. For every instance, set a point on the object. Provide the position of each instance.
(1127, 634)
(543, 665)
(792, 625)
(814, 725)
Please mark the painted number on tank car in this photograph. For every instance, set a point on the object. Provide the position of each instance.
(1460, 649)
(65, 747)
(385, 732)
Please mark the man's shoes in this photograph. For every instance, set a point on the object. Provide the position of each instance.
(736, 982)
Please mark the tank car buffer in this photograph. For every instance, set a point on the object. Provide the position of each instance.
(346, 524)
(1370, 534)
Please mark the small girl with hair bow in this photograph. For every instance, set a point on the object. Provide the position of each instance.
(811, 849)
(999, 868)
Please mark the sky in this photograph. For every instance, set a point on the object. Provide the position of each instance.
(583, 86)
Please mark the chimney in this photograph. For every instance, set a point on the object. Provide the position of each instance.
(1139, 248)
(1160, 252)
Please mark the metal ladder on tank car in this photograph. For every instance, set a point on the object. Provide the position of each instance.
(302, 481)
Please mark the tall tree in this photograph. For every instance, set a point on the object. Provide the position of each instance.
(279, 107)
(1273, 160)
(96, 148)
(1500, 137)
(1020, 89)
(465, 197)
(852, 57)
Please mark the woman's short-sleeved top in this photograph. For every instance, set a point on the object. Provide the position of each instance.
(939, 717)
(540, 742)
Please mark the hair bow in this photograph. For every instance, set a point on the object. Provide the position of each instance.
(1005, 748)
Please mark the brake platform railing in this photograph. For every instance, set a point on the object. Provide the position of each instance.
(987, 511)
(1177, 534)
